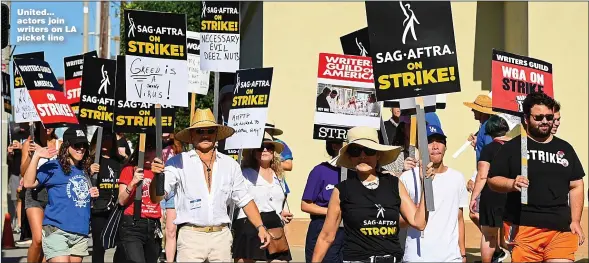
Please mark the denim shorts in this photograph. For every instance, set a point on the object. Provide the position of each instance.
(57, 242)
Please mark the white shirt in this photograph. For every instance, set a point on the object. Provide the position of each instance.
(194, 204)
(269, 197)
(440, 238)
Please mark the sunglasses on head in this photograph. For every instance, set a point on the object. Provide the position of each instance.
(355, 151)
(269, 147)
(549, 117)
(80, 145)
(206, 131)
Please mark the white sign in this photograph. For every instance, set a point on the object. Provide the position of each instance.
(219, 52)
(198, 80)
(156, 80)
(251, 130)
(23, 108)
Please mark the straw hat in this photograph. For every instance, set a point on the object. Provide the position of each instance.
(482, 103)
(203, 118)
(278, 147)
(367, 137)
(271, 128)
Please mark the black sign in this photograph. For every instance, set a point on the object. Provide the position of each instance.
(414, 52)
(6, 93)
(356, 43)
(330, 132)
(136, 117)
(18, 83)
(98, 95)
(73, 67)
(193, 46)
(220, 17)
(155, 34)
(252, 88)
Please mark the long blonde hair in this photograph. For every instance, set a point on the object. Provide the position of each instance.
(249, 161)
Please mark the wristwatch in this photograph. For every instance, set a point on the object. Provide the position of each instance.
(262, 225)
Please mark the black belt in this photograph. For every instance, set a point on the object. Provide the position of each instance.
(377, 259)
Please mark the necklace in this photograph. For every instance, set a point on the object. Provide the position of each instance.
(208, 166)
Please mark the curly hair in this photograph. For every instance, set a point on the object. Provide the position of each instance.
(63, 158)
(249, 161)
(537, 98)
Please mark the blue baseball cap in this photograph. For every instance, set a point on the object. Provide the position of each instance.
(435, 130)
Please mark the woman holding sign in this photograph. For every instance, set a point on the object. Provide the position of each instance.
(36, 199)
(139, 238)
(262, 169)
(107, 183)
(370, 203)
(66, 224)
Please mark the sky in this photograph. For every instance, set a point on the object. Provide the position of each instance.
(72, 14)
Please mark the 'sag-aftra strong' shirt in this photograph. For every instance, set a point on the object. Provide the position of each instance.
(551, 168)
(371, 218)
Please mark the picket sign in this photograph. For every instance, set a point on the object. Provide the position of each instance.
(139, 187)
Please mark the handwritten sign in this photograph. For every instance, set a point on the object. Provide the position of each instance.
(249, 108)
(46, 93)
(24, 109)
(98, 95)
(137, 117)
(156, 67)
(220, 36)
(198, 80)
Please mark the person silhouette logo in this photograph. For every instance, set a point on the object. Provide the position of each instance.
(104, 82)
(363, 51)
(204, 9)
(237, 84)
(409, 21)
(131, 26)
(380, 212)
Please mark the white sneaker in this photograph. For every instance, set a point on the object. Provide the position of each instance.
(24, 243)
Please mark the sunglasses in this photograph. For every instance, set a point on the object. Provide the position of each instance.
(269, 147)
(206, 131)
(355, 151)
(80, 145)
(549, 117)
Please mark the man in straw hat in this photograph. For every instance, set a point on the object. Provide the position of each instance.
(443, 238)
(205, 182)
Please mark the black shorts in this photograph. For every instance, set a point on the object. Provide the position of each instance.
(36, 198)
(491, 215)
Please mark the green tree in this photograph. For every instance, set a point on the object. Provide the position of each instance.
(193, 12)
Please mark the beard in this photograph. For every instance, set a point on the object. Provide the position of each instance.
(537, 132)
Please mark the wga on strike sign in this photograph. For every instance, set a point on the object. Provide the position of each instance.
(516, 76)
(73, 77)
(46, 93)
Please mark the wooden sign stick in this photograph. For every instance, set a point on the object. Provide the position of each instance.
(424, 154)
(139, 188)
(159, 178)
(192, 106)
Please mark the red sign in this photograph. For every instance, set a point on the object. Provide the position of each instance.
(345, 67)
(514, 77)
(52, 107)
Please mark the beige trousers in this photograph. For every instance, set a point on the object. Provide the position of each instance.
(194, 246)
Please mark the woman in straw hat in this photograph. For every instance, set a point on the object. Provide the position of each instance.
(369, 203)
(205, 181)
(265, 179)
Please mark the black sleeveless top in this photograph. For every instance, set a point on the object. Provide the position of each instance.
(371, 218)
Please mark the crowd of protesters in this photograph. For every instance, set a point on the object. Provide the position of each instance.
(215, 209)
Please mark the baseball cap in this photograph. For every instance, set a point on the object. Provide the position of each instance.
(75, 135)
(435, 130)
(227, 89)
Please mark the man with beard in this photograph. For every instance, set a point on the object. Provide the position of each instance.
(443, 237)
(546, 228)
(556, 122)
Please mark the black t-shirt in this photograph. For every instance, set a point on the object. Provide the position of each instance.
(371, 218)
(14, 163)
(108, 185)
(551, 168)
(489, 196)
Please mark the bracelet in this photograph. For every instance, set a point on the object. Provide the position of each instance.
(262, 225)
(127, 190)
(463, 256)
